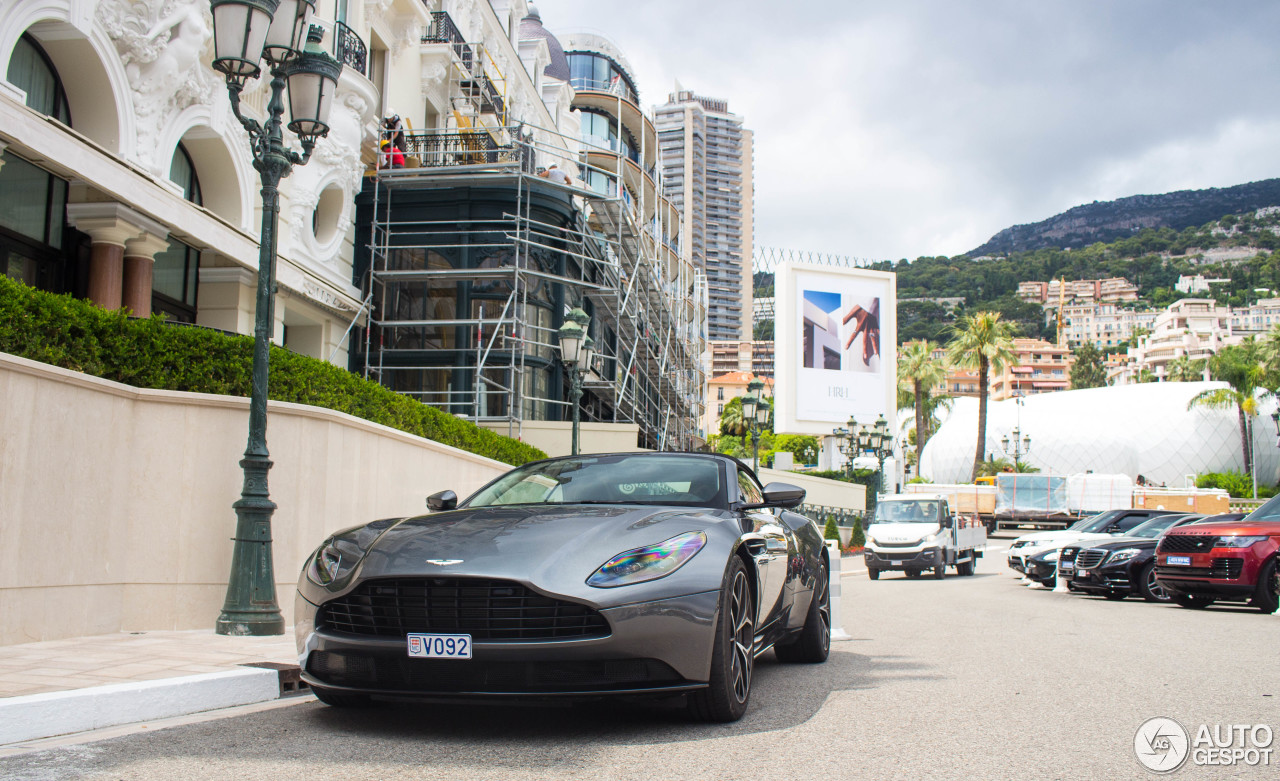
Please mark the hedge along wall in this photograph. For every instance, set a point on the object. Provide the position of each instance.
(79, 336)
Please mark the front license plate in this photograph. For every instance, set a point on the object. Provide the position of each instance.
(440, 646)
(1183, 560)
(1066, 565)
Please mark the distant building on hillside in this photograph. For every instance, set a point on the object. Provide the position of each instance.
(1038, 367)
(1104, 325)
(1049, 293)
(1190, 285)
(1194, 328)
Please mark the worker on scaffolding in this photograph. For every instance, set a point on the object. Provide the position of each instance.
(390, 157)
(556, 175)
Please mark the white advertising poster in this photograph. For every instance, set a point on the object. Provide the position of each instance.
(835, 350)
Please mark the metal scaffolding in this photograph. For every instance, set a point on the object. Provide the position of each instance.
(617, 256)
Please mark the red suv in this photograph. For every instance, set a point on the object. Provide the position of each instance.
(1232, 561)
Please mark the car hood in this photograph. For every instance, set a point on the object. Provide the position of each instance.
(1117, 543)
(901, 532)
(1059, 540)
(1241, 528)
(555, 547)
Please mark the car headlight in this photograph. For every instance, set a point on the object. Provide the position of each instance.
(1237, 542)
(1123, 555)
(648, 563)
(871, 540)
(331, 561)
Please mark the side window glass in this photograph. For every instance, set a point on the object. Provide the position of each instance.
(747, 487)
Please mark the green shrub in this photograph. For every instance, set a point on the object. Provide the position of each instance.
(831, 531)
(77, 335)
(858, 538)
(1238, 484)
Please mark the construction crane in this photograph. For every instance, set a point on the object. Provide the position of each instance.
(1062, 290)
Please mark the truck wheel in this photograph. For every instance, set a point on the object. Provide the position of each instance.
(965, 568)
(940, 572)
(1268, 593)
(1193, 601)
(872, 573)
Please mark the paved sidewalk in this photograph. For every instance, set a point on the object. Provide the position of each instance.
(82, 662)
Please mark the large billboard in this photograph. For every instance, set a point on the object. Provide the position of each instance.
(835, 348)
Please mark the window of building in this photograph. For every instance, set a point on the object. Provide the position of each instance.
(31, 71)
(719, 409)
(33, 207)
(182, 172)
(173, 282)
(720, 394)
(595, 72)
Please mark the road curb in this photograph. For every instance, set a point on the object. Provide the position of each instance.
(37, 716)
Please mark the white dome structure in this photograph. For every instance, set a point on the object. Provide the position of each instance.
(1129, 429)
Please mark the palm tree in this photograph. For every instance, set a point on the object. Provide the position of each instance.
(918, 374)
(731, 422)
(1183, 369)
(1241, 369)
(983, 342)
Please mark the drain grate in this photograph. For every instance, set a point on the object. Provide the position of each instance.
(291, 682)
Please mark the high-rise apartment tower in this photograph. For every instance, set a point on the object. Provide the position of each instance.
(706, 159)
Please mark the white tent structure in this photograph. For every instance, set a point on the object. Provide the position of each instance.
(1129, 429)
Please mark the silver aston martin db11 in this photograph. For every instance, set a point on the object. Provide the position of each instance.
(585, 576)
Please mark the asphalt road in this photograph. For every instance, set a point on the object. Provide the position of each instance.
(975, 678)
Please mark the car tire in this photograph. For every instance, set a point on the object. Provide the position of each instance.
(1266, 597)
(733, 651)
(337, 699)
(940, 572)
(814, 642)
(1115, 596)
(873, 573)
(1193, 601)
(965, 568)
(1148, 587)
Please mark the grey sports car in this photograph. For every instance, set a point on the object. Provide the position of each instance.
(585, 576)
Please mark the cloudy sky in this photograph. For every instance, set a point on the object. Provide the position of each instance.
(921, 127)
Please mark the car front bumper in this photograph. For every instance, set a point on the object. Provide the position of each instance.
(1105, 579)
(653, 647)
(1217, 574)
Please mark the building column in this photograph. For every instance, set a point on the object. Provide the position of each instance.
(139, 265)
(3, 146)
(110, 226)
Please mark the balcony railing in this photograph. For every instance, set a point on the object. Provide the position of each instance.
(443, 30)
(470, 147)
(349, 49)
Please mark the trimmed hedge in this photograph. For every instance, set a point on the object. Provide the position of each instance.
(75, 334)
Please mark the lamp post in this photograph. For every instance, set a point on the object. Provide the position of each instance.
(755, 412)
(873, 438)
(245, 33)
(1017, 445)
(576, 352)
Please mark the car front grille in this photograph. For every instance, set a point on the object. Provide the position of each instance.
(1068, 554)
(1090, 558)
(488, 610)
(1222, 569)
(1186, 543)
(384, 672)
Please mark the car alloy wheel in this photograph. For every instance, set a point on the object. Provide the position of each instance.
(813, 644)
(1151, 589)
(733, 651)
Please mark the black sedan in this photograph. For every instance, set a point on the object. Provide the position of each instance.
(1124, 566)
(586, 576)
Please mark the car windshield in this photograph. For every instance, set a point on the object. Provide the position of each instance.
(1154, 527)
(1093, 522)
(1267, 512)
(906, 512)
(640, 478)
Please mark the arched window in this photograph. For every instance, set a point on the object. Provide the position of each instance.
(183, 173)
(31, 71)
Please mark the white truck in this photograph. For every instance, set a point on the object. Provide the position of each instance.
(919, 532)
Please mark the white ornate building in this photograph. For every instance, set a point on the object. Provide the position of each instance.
(128, 181)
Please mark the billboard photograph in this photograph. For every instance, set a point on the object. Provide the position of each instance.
(835, 347)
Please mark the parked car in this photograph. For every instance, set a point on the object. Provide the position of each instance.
(1227, 561)
(576, 577)
(1121, 566)
(1099, 526)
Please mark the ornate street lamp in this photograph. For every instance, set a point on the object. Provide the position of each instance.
(577, 350)
(875, 439)
(755, 413)
(246, 32)
(1016, 446)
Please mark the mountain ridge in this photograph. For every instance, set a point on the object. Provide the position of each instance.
(1106, 221)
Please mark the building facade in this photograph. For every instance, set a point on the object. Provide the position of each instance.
(707, 163)
(1104, 325)
(530, 189)
(1051, 292)
(724, 388)
(755, 357)
(1194, 328)
(1038, 367)
(126, 179)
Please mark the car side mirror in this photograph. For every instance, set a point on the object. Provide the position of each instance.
(948, 522)
(445, 500)
(783, 495)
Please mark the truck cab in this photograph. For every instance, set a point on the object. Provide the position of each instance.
(918, 532)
